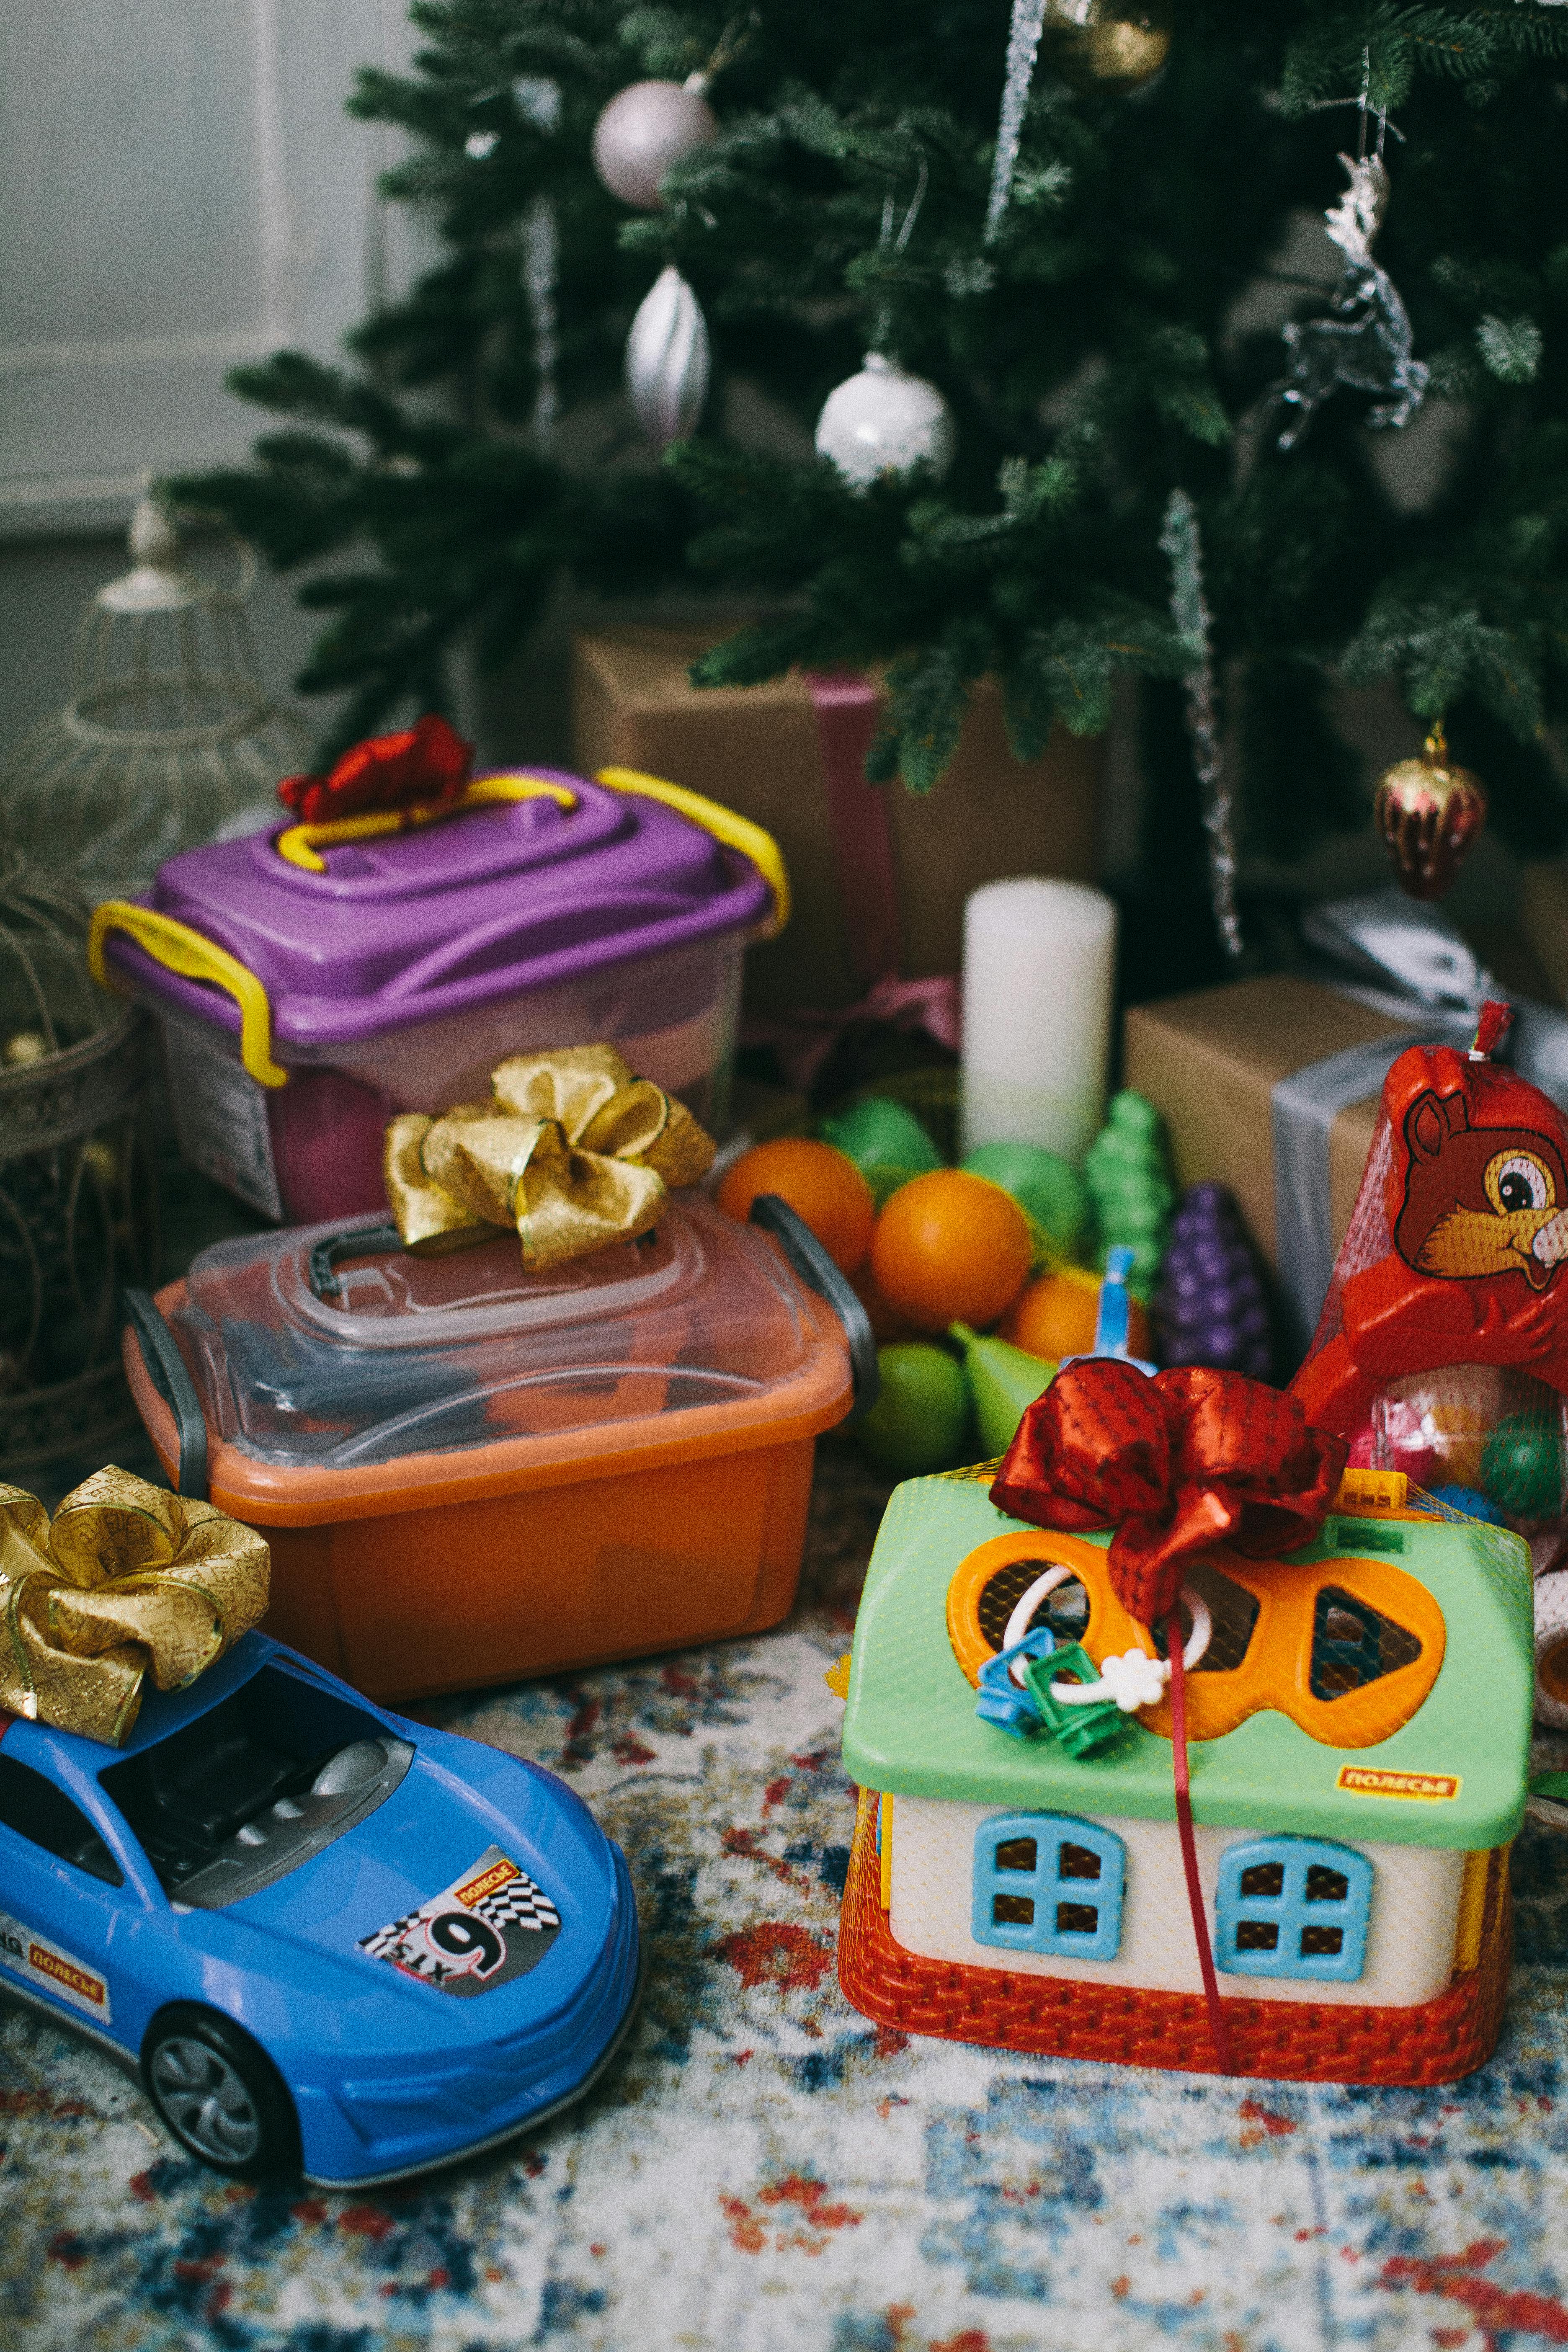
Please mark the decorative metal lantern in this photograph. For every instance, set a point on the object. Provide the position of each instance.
(77, 1217)
(169, 735)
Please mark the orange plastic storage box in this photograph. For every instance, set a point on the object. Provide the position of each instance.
(469, 1475)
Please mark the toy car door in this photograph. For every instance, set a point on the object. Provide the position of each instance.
(59, 1898)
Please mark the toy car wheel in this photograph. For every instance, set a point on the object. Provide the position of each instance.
(219, 2094)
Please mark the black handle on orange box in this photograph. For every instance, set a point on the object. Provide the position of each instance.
(817, 1271)
(366, 1241)
(167, 1370)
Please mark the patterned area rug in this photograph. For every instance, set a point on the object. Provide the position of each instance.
(766, 2172)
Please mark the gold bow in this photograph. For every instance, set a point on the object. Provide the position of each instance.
(571, 1147)
(127, 1581)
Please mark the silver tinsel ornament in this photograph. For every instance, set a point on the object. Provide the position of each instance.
(645, 130)
(1022, 46)
(668, 360)
(1181, 543)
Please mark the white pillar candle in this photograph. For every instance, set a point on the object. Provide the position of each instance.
(1037, 960)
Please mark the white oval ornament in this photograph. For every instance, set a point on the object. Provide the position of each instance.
(667, 358)
(884, 422)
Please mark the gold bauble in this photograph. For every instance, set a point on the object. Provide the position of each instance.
(1430, 815)
(1107, 44)
(25, 1046)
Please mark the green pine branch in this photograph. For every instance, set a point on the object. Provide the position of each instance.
(1091, 351)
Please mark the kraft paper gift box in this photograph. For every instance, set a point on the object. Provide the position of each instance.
(759, 749)
(1209, 1063)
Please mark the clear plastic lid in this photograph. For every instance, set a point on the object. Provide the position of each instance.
(420, 1356)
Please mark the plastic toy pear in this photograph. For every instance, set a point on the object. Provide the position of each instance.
(1004, 1381)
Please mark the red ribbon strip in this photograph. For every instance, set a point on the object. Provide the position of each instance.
(802, 1041)
(426, 763)
(847, 708)
(1176, 1465)
(1174, 1640)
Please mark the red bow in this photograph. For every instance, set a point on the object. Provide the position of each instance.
(426, 763)
(1177, 1464)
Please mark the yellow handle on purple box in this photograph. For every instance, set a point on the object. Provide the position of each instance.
(298, 845)
(734, 830)
(179, 949)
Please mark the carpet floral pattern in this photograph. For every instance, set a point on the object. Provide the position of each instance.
(765, 2171)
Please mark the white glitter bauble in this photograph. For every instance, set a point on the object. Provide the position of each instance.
(883, 422)
(667, 359)
(645, 130)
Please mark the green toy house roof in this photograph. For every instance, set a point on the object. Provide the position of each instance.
(910, 1725)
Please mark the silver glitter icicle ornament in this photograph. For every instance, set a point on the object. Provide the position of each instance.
(667, 358)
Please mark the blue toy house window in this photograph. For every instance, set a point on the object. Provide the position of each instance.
(1293, 1907)
(1048, 1883)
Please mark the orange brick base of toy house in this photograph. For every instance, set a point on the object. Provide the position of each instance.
(1285, 2041)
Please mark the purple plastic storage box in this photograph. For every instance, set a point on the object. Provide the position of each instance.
(312, 981)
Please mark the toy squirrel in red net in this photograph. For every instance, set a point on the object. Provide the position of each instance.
(1442, 1350)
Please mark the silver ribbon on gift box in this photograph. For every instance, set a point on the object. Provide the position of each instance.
(1408, 962)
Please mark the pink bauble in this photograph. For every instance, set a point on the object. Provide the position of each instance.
(645, 130)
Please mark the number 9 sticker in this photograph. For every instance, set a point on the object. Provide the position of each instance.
(492, 1925)
(466, 1944)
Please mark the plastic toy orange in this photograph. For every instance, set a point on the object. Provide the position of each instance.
(951, 1247)
(1054, 1316)
(822, 1185)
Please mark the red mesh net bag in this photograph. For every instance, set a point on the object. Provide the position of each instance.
(1442, 1349)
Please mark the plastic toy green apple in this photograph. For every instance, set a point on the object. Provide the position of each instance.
(1051, 1190)
(920, 1419)
(877, 1132)
(1004, 1381)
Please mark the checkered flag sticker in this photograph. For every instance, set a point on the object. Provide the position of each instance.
(492, 1924)
(519, 1903)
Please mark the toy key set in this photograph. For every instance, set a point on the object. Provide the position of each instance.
(1178, 1749)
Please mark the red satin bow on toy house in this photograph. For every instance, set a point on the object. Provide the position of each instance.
(1176, 1465)
(426, 763)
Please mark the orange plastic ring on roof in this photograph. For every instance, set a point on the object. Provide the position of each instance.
(1277, 1670)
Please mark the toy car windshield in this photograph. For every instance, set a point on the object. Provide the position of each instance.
(268, 1777)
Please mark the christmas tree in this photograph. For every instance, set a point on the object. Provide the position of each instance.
(1058, 239)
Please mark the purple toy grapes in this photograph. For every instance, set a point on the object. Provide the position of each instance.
(1210, 1307)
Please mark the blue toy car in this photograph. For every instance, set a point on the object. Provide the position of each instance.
(330, 1940)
